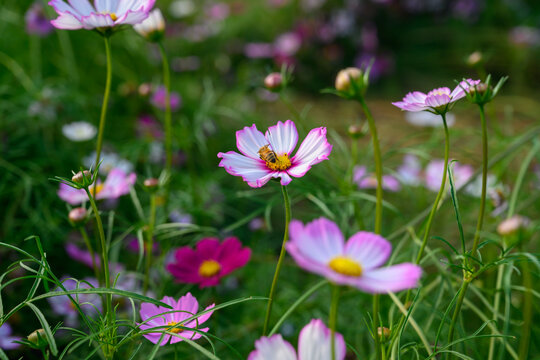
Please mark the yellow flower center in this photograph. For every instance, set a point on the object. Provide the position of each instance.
(282, 163)
(98, 189)
(345, 266)
(112, 15)
(209, 268)
(173, 329)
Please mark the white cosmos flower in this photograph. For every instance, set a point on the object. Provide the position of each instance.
(153, 27)
(79, 131)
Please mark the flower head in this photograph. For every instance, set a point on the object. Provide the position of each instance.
(173, 321)
(159, 99)
(314, 343)
(319, 247)
(79, 131)
(269, 156)
(104, 14)
(209, 262)
(117, 184)
(36, 20)
(438, 101)
(369, 181)
(6, 340)
(153, 27)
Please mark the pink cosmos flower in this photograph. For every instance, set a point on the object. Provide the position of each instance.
(81, 255)
(434, 174)
(314, 343)
(6, 340)
(165, 320)
(269, 156)
(369, 181)
(81, 14)
(36, 21)
(117, 184)
(436, 101)
(159, 98)
(410, 171)
(209, 262)
(319, 247)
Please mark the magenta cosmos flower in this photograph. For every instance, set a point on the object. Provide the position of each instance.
(209, 262)
(365, 180)
(314, 343)
(437, 101)
(269, 156)
(81, 14)
(164, 320)
(117, 184)
(319, 247)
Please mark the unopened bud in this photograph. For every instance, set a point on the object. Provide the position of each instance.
(474, 59)
(511, 225)
(383, 332)
(79, 177)
(355, 131)
(151, 183)
(77, 215)
(480, 88)
(145, 89)
(38, 338)
(344, 77)
(273, 81)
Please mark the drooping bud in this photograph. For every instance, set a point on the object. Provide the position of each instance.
(383, 332)
(345, 76)
(77, 215)
(38, 339)
(273, 81)
(151, 183)
(82, 177)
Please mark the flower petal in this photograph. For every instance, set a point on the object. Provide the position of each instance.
(369, 249)
(272, 348)
(232, 256)
(282, 137)
(249, 141)
(95, 20)
(314, 343)
(188, 306)
(70, 195)
(253, 171)
(82, 7)
(314, 149)
(393, 278)
(67, 21)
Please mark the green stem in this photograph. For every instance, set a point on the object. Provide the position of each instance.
(378, 165)
(378, 345)
(332, 322)
(105, 100)
(527, 312)
(496, 305)
(287, 204)
(149, 244)
(457, 309)
(90, 250)
(168, 116)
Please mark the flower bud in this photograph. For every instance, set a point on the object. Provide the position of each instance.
(344, 77)
(273, 81)
(355, 131)
(480, 88)
(77, 215)
(80, 177)
(153, 27)
(145, 89)
(474, 59)
(511, 225)
(38, 338)
(383, 332)
(151, 183)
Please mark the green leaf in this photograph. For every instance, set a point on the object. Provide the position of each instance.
(46, 328)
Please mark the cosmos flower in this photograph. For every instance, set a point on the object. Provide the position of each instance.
(369, 181)
(153, 27)
(410, 171)
(89, 303)
(209, 262)
(319, 247)
(186, 307)
(81, 14)
(79, 131)
(109, 161)
(269, 156)
(82, 256)
(117, 184)
(148, 127)
(437, 101)
(314, 343)
(159, 98)
(433, 174)
(36, 21)
(6, 340)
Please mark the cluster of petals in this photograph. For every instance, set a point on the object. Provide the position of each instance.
(320, 247)
(365, 180)
(436, 100)
(116, 184)
(209, 261)
(153, 23)
(314, 343)
(280, 140)
(172, 324)
(81, 14)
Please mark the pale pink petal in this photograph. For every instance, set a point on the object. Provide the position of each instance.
(188, 306)
(272, 348)
(319, 241)
(71, 195)
(285, 178)
(67, 21)
(314, 343)
(369, 249)
(249, 141)
(82, 7)
(97, 20)
(393, 278)
(253, 171)
(282, 137)
(314, 149)
(437, 100)
(60, 6)
(133, 18)
(108, 6)
(463, 86)
(195, 323)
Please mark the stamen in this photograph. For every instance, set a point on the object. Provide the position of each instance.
(209, 268)
(345, 266)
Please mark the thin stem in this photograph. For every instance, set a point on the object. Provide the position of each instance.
(168, 116)
(287, 204)
(457, 310)
(149, 244)
(378, 165)
(496, 305)
(105, 100)
(90, 250)
(527, 311)
(332, 322)
(378, 350)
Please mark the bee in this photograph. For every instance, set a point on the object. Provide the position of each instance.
(266, 154)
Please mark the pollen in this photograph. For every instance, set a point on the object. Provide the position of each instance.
(97, 190)
(173, 329)
(282, 163)
(112, 15)
(209, 268)
(345, 266)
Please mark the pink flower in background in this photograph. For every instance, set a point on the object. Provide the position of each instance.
(133, 246)
(82, 256)
(319, 247)
(269, 156)
(116, 184)
(218, 11)
(410, 171)
(287, 44)
(259, 50)
(159, 98)
(36, 20)
(209, 261)
(165, 320)
(314, 343)
(524, 36)
(6, 340)
(148, 127)
(369, 181)
(434, 174)
(437, 101)
(81, 14)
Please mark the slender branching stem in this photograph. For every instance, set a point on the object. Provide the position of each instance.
(333, 318)
(168, 116)
(105, 101)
